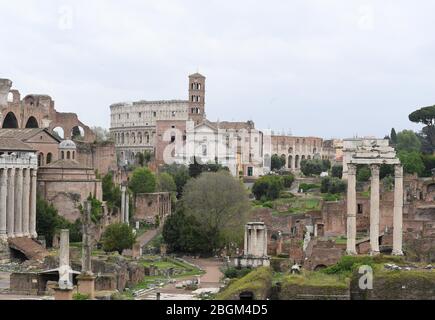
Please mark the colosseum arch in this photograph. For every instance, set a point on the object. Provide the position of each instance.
(10, 121)
(32, 123)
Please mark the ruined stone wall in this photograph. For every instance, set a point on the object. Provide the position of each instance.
(149, 206)
(100, 157)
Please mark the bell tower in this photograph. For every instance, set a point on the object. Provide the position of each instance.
(197, 98)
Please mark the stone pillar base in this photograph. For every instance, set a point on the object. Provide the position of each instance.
(397, 253)
(374, 253)
(86, 285)
(351, 253)
(63, 295)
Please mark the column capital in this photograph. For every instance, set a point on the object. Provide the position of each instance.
(351, 169)
(375, 169)
(398, 171)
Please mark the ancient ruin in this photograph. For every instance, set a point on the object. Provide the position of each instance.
(255, 247)
(373, 153)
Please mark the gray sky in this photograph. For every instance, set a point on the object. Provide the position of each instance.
(331, 68)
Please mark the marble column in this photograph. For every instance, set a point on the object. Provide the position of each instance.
(26, 203)
(351, 210)
(265, 242)
(32, 219)
(398, 210)
(374, 210)
(64, 248)
(19, 203)
(3, 205)
(11, 204)
(255, 249)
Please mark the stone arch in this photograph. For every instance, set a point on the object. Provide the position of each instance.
(290, 162)
(68, 155)
(59, 132)
(297, 162)
(133, 137)
(283, 156)
(10, 121)
(77, 133)
(309, 157)
(32, 123)
(63, 155)
(122, 138)
(290, 150)
(127, 138)
(49, 158)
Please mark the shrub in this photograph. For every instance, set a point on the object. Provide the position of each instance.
(331, 197)
(269, 187)
(233, 272)
(305, 187)
(363, 173)
(142, 181)
(288, 180)
(117, 238)
(332, 185)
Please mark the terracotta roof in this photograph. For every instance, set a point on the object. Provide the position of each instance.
(23, 134)
(12, 144)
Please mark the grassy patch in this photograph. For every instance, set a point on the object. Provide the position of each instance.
(258, 282)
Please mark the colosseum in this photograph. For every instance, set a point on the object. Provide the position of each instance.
(38, 111)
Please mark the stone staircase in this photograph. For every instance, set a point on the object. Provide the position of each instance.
(29, 247)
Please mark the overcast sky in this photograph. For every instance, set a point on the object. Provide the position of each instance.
(320, 68)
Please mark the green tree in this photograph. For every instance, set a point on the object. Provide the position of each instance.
(412, 162)
(426, 116)
(337, 171)
(314, 167)
(111, 192)
(220, 204)
(429, 164)
(363, 173)
(408, 141)
(142, 181)
(277, 162)
(288, 180)
(180, 174)
(183, 233)
(165, 183)
(49, 222)
(118, 237)
(268, 187)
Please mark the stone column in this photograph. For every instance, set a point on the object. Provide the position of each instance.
(398, 210)
(26, 203)
(127, 209)
(245, 252)
(265, 242)
(11, 204)
(32, 219)
(19, 203)
(374, 210)
(255, 250)
(64, 248)
(123, 189)
(3, 204)
(351, 210)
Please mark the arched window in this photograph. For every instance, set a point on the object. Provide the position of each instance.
(68, 155)
(290, 150)
(49, 158)
(40, 159)
(297, 162)
(74, 155)
(63, 155)
(290, 162)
